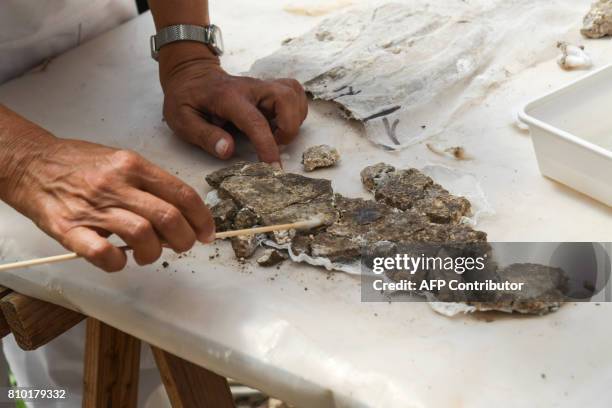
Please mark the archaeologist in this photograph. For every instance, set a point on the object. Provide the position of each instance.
(80, 193)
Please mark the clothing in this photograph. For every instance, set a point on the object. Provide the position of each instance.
(34, 30)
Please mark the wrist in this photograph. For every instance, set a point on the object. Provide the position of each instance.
(23, 144)
(174, 56)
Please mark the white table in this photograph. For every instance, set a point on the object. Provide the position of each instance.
(304, 336)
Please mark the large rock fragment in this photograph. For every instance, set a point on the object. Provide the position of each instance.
(319, 156)
(412, 190)
(598, 22)
(543, 290)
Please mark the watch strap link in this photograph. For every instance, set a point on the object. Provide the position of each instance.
(180, 32)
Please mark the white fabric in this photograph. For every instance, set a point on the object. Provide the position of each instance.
(59, 365)
(34, 30)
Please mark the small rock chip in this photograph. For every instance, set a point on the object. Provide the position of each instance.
(372, 176)
(319, 156)
(244, 246)
(598, 22)
(223, 214)
(271, 257)
(246, 218)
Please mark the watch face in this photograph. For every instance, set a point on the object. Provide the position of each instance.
(216, 40)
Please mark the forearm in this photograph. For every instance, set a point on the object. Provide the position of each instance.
(21, 141)
(171, 12)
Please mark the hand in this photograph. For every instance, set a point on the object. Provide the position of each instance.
(200, 98)
(80, 193)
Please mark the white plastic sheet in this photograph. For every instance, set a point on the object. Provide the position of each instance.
(409, 68)
(319, 347)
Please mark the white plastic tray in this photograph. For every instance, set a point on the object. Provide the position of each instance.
(571, 130)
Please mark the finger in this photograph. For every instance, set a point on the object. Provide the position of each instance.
(96, 249)
(252, 122)
(283, 103)
(167, 220)
(299, 90)
(136, 231)
(172, 194)
(214, 140)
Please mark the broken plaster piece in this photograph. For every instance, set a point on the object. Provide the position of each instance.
(573, 57)
(319, 156)
(598, 22)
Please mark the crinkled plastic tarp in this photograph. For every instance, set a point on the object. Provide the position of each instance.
(405, 69)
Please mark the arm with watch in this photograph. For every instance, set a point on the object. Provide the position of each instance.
(200, 97)
(80, 193)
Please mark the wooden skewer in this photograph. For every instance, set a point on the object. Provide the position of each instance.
(315, 222)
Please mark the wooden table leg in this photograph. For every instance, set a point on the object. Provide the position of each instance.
(191, 386)
(112, 364)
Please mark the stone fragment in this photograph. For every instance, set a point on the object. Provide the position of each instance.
(246, 218)
(244, 246)
(373, 176)
(319, 156)
(412, 190)
(409, 209)
(542, 293)
(265, 194)
(271, 257)
(223, 214)
(598, 22)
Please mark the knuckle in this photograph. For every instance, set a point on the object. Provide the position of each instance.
(284, 92)
(126, 160)
(99, 251)
(141, 229)
(294, 85)
(188, 195)
(169, 217)
(254, 117)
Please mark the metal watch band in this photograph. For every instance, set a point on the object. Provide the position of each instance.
(180, 32)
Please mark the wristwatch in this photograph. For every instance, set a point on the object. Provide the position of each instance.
(209, 35)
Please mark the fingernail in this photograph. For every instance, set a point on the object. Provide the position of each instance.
(276, 165)
(221, 147)
(210, 237)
